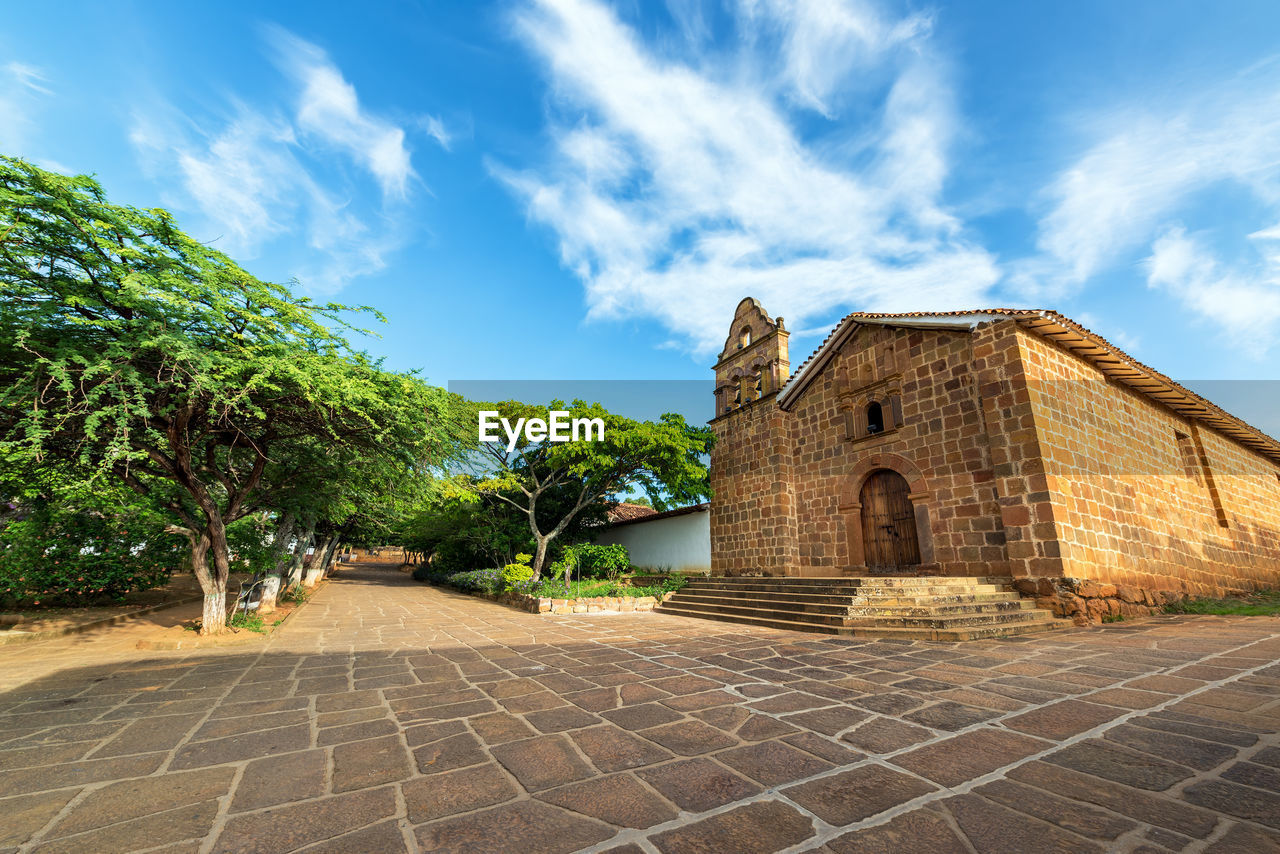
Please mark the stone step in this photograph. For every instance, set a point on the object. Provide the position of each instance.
(841, 590)
(950, 621)
(916, 607)
(950, 634)
(878, 600)
(856, 607)
(855, 581)
(835, 616)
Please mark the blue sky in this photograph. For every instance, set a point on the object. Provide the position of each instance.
(577, 189)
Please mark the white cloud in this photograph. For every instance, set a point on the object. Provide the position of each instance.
(677, 188)
(823, 41)
(329, 109)
(263, 175)
(28, 76)
(1244, 301)
(21, 87)
(1147, 172)
(436, 129)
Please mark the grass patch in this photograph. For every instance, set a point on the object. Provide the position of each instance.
(251, 621)
(239, 620)
(1113, 618)
(1265, 603)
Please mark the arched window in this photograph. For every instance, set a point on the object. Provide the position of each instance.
(737, 393)
(744, 337)
(875, 419)
(759, 384)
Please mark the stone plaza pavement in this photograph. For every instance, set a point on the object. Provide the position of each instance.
(389, 716)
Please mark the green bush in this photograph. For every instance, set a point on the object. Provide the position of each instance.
(56, 556)
(477, 580)
(514, 574)
(589, 560)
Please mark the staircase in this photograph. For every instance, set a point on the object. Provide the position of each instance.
(938, 608)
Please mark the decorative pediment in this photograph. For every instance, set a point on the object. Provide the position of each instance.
(751, 323)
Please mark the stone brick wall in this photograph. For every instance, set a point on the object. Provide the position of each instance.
(753, 512)
(1150, 506)
(940, 448)
(787, 483)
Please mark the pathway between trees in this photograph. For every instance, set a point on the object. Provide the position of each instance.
(390, 716)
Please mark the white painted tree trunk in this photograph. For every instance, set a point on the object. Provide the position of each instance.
(270, 592)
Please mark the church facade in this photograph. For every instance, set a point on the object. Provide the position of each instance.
(987, 443)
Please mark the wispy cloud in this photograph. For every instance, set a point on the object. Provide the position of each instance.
(678, 186)
(28, 76)
(329, 110)
(435, 128)
(1130, 192)
(21, 87)
(1242, 300)
(265, 173)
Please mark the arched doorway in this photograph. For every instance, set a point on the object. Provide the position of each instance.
(889, 537)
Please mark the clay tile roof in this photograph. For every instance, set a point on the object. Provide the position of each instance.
(625, 512)
(654, 515)
(1066, 333)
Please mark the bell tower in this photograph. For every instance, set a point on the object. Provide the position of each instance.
(754, 363)
(753, 525)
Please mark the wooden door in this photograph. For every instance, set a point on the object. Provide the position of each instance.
(889, 539)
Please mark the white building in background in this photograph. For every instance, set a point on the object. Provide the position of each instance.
(675, 540)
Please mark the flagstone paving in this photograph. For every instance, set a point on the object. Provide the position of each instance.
(390, 716)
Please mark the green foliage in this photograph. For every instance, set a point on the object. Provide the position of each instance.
(249, 552)
(130, 352)
(56, 551)
(477, 580)
(296, 594)
(549, 588)
(675, 582)
(1113, 618)
(663, 458)
(251, 621)
(1264, 603)
(524, 558)
(514, 574)
(590, 560)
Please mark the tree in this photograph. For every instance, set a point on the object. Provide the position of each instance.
(663, 458)
(130, 350)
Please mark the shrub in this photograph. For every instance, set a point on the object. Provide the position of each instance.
(55, 556)
(515, 573)
(674, 582)
(477, 580)
(590, 560)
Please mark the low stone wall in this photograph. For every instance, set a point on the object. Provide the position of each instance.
(1086, 602)
(585, 605)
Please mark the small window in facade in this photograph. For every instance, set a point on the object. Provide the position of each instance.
(875, 419)
(737, 393)
(744, 338)
(759, 385)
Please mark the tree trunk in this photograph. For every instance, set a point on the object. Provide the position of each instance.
(213, 617)
(214, 620)
(331, 553)
(316, 569)
(295, 566)
(280, 557)
(540, 555)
